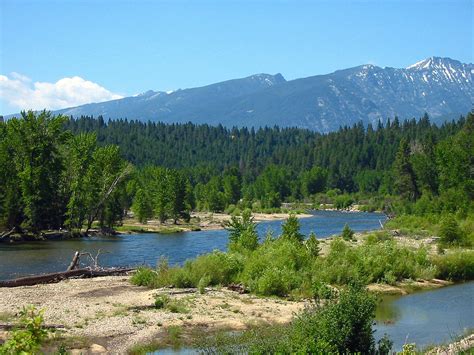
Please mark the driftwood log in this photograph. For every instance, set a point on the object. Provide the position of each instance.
(59, 276)
(71, 272)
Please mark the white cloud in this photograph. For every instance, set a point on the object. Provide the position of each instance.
(19, 91)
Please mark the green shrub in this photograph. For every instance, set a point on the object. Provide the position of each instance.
(343, 201)
(161, 301)
(291, 229)
(458, 265)
(217, 267)
(172, 305)
(221, 268)
(449, 231)
(275, 266)
(242, 232)
(347, 233)
(177, 306)
(374, 261)
(144, 277)
(278, 282)
(342, 324)
(312, 244)
(29, 338)
(203, 283)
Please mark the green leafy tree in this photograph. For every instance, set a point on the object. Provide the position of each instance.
(105, 178)
(242, 232)
(177, 195)
(346, 324)
(313, 181)
(35, 142)
(11, 211)
(142, 206)
(424, 166)
(214, 197)
(291, 229)
(455, 160)
(449, 231)
(79, 155)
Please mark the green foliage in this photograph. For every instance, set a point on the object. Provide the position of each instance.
(53, 179)
(343, 201)
(373, 261)
(342, 324)
(276, 267)
(347, 233)
(142, 206)
(144, 277)
(203, 283)
(221, 269)
(172, 305)
(28, 339)
(457, 265)
(242, 232)
(449, 231)
(34, 144)
(161, 301)
(212, 269)
(345, 325)
(312, 244)
(313, 181)
(405, 180)
(291, 229)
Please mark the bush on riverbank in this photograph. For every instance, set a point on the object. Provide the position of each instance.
(287, 266)
(374, 261)
(341, 324)
(457, 230)
(458, 265)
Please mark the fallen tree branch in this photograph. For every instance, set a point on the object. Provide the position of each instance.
(58, 276)
(74, 262)
(8, 233)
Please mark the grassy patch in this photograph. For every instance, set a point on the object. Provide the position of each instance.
(7, 316)
(172, 305)
(172, 337)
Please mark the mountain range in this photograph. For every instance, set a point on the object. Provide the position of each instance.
(441, 87)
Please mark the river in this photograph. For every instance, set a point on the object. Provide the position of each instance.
(428, 317)
(138, 249)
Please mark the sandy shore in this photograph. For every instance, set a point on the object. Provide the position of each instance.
(116, 315)
(200, 221)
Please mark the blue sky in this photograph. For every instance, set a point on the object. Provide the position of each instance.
(60, 53)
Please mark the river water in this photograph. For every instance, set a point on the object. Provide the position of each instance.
(138, 249)
(428, 317)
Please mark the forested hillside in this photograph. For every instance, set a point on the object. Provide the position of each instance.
(352, 156)
(59, 173)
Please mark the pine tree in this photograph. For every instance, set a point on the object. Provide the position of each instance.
(405, 179)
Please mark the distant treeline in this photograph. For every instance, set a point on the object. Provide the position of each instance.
(351, 155)
(58, 172)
